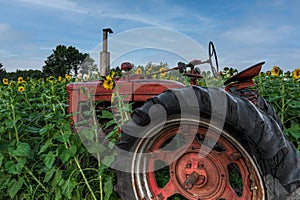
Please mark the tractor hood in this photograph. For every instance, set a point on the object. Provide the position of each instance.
(133, 90)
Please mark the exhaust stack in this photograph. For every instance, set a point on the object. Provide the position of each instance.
(105, 55)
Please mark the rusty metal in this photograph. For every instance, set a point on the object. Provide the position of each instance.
(133, 90)
(245, 75)
(158, 197)
(192, 179)
(126, 66)
(235, 156)
(197, 177)
(105, 55)
(242, 83)
(246, 89)
(200, 165)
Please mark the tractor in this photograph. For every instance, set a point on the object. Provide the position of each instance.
(192, 142)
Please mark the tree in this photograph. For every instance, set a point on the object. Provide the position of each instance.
(88, 66)
(64, 60)
(2, 68)
(2, 72)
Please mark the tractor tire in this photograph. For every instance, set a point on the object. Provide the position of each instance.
(211, 145)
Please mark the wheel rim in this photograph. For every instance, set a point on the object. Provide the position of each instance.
(186, 173)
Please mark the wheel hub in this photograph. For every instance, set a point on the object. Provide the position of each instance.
(199, 176)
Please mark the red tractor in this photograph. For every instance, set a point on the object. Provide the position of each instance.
(195, 143)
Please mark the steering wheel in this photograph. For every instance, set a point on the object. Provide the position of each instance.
(213, 55)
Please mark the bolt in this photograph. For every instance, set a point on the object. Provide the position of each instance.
(254, 188)
(188, 164)
(158, 197)
(191, 180)
(235, 156)
(200, 165)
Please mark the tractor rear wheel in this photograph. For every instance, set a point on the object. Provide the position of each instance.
(194, 155)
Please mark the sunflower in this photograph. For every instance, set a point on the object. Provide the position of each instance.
(5, 81)
(50, 79)
(59, 78)
(21, 89)
(108, 83)
(148, 71)
(139, 70)
(276, 71)
(67, 76)
(296, 73)
(20, 79)
(268, 73)
(162, 72)
(12, 83)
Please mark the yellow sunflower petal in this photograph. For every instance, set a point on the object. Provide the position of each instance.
(162, 72)
(296, 73)
(5, 81)
(67, 76)
(108, 83)
(20, 79)
(139, 70)
(276, 71)
(21, 89)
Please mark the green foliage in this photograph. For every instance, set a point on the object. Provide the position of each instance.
(2, 68)
(64, 60)
(40, 158)
(35, 74)
(282, 91)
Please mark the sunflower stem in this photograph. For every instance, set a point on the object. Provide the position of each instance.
(15, 122)
(95, 121)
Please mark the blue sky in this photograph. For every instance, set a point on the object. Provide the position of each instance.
(244, 32)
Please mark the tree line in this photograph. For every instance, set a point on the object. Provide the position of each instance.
(63, 60)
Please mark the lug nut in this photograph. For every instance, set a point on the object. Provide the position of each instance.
(188, 165)
(200, 165)
(235, 156)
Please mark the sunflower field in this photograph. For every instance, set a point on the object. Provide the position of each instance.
(40, 157)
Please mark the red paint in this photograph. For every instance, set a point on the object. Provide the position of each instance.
(136, 90)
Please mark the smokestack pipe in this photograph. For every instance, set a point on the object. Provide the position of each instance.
(105, 55)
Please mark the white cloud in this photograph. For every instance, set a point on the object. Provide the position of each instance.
(66, 5)
(3, 28)
(135, 17)
(252, 34)
(159, 14)
(5, 53)
(21, 63)
(9, 36)
(5, 32)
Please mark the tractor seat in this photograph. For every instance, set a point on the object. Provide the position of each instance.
(242, 84)
(245, 75)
